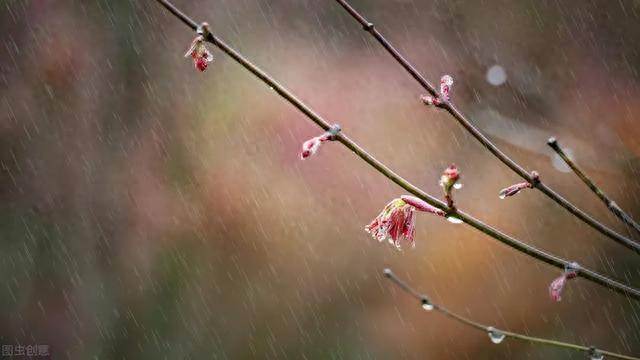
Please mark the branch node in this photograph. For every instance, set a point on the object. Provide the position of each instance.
(368, 26)
(535, 178)
(572, 268)
(203, 29)
(333, 131)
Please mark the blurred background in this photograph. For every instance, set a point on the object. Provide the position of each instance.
(150, 211)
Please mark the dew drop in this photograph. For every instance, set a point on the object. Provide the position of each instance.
(495, 335)
(595, 354)
(428, 306)
(502, 196)
(454, 220)
(457, 186)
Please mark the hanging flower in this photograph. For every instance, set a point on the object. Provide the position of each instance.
(557, 285)
(449, 181)
(311, 146)
(199, 53)
(446, 83)
(515, 188)
(396, 222)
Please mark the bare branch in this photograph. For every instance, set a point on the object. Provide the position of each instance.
(466, 123)
(611, 205)
(496, 335)
(388, 173)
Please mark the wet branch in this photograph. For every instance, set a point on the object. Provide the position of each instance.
(611, 205)
(466, 123)
(496, 335)
(384, 170)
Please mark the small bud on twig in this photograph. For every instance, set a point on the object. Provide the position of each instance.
(446, 83)
(557, 285)
(515, 188)
(448, 182)
(311, 146)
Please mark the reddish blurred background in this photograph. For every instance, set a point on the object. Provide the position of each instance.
(151, 211)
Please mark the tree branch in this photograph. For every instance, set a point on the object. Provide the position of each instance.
(466, 123)
(494, 333)
(611, 205)
(384, 170)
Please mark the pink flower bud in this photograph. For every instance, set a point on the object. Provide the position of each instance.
(311, 146)
(555, 289)
(513, 189)
(446, 82)
(448, 181)
(430, 100)
(557, 285)
(199, 53)
(421, 205)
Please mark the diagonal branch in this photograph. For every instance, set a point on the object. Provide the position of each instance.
(611, 205)
(384, 170)
(466, 123)
(497, 335)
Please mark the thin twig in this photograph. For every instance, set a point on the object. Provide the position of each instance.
(611, 205)
(466, 123)
(426, 303)
(388, 173)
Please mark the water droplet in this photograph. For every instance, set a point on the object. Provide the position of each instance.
(454, 220)
(457, 186)
(426, 304)
(595, 354)
(502, 196)
(495, 335)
